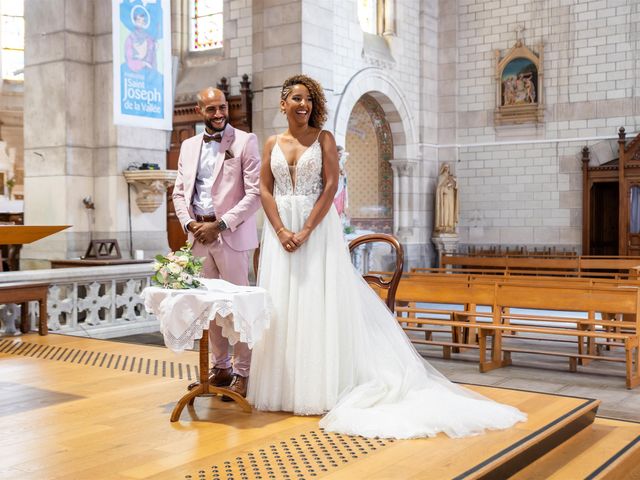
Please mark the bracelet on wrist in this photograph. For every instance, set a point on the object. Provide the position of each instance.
(279, 230)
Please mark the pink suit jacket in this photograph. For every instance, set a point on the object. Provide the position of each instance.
(236, 186)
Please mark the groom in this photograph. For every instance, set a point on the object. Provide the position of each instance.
(216, 196)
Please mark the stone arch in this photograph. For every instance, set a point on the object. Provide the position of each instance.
(375, 82)
(369, 143)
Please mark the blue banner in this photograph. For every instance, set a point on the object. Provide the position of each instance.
(141, 63)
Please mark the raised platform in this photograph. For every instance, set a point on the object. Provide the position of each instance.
(80, 408)
(608, 449)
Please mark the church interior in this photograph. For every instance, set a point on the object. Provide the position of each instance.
(488, 190)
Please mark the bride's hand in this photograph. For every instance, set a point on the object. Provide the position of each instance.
(302, 236)
(286, 239)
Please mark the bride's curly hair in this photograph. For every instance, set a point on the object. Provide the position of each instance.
(319, 110)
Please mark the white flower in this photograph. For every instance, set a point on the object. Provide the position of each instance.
(178, 269)
(164, 273)
(174, 268)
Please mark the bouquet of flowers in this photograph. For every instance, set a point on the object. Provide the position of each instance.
(178, 270)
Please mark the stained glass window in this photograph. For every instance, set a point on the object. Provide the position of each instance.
(12, 39)
(205, 17)
(368, 15)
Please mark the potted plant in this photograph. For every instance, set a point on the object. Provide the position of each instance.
(10, 184)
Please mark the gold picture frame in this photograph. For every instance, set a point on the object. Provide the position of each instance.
(519, 85)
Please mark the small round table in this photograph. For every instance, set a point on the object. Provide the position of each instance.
(241, 312)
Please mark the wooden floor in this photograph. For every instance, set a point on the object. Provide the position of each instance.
(582, 456)
(73, 408)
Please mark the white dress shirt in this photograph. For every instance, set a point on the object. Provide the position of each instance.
(202, 199)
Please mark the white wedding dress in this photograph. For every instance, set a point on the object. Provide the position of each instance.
(334, 348)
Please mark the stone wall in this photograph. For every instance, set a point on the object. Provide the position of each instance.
(522, 184)
(72, 150)
(409, 102)
(198, 70)
(435, 81)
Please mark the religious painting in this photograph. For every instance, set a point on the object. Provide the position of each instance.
(519, 85)
(142, 70)
(519, 82)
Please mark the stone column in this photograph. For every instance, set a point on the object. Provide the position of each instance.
(277, 53)
(289, 37)
(403, 170)
(72, 149)
(446, 243)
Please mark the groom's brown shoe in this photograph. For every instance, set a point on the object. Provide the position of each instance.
(218, 377)
(221, 377)
(238, 385)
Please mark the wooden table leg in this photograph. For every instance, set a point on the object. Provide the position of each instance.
(43, 328)
(24, 317)
(203, 387)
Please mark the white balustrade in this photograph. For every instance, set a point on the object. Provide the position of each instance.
(99, 302)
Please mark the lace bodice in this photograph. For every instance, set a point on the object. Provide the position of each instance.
(304, 179)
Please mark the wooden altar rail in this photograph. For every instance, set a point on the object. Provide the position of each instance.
(581, 264)
(589, 334)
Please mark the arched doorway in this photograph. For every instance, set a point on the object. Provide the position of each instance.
(376, 84)
(369, 143)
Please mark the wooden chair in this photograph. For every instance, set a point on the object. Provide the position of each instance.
(390, 285)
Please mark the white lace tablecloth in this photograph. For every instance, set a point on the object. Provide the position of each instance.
(242, 312)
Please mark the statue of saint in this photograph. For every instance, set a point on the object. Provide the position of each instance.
(447, 209)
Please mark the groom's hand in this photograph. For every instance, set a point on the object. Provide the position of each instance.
(205, 232)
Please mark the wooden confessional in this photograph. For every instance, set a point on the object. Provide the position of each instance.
(611, 202)
(186, 123)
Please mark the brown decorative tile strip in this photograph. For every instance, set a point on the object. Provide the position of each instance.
(125, 363)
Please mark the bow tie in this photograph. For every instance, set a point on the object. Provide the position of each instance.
(216, 137)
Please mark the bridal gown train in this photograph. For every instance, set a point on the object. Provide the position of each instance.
(334, 348)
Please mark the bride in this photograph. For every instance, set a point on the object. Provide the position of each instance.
(333, 347)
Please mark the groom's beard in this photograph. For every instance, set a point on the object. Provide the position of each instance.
(211, 126)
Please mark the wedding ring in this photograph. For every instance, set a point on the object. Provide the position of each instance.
(288, 247)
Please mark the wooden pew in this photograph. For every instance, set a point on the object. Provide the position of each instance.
(523, 272)
(581, 264)
(501, 250)
(504, 296)
(590, 299)
(610, 280)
